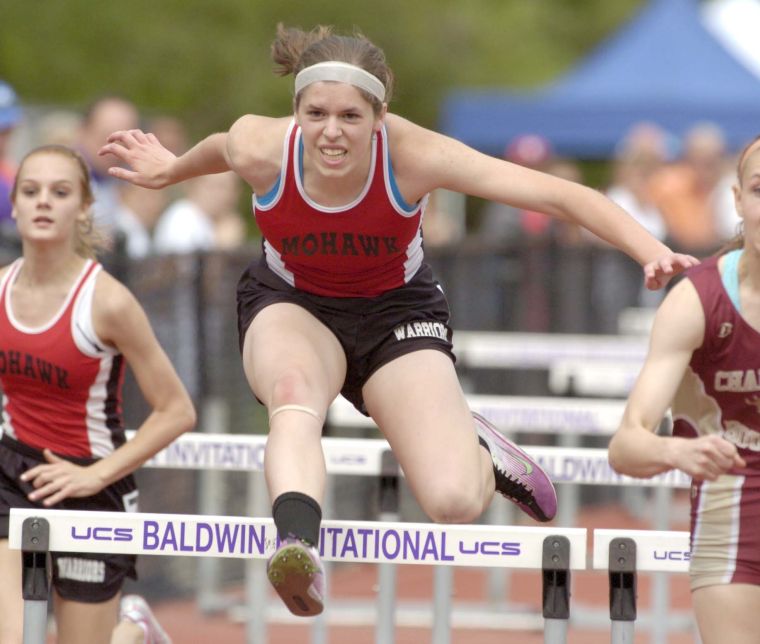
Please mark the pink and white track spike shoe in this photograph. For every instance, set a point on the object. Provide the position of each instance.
(298, 576)
(518, 477)
(135, 609)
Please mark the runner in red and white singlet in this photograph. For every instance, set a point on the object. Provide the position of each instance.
(342, 301)
(67, 329)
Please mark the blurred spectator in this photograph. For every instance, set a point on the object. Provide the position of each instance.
(443, 225)
(206, 219)
(728, 223)
(501, 222)
(686, 192)
(617, 282)
(59, 127)
(171, 132)
(136, 215)
(105, 115)
(10, 117)
(639, 157)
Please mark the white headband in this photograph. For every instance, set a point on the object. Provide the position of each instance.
(342, 73)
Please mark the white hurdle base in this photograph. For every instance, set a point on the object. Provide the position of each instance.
(410, 614)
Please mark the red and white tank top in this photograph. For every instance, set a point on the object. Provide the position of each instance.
(362, 249)
(720, 392)
(61, 383)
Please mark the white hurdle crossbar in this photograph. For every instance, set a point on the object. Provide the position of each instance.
(600, 377)
(656, 550)
(502, 350)
(538, 414)
(363, 457)
(143, 533)
(555, 551)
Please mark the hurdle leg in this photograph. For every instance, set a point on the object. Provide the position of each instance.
(256, 582)
(556, 588)
(389, 511)
(35, 544)
(568, 496)
(443, 577)
(210, 599)
(622, 573)
(320, 622)
(661, 617)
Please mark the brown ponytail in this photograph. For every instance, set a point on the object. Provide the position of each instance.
(294, 49)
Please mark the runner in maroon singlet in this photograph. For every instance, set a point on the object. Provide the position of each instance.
(704, 362)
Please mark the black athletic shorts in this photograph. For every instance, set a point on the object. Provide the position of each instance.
(82, 577)
(372, 331)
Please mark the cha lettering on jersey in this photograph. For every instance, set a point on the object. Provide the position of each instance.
(741, 435)
(15, 363)
(740, 380)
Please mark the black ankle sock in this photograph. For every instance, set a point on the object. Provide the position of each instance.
(482, 441)
(297, 515)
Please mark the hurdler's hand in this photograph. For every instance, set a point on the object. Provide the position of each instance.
(660, 271)
(59, 479)
(149, 163)
(707, 457)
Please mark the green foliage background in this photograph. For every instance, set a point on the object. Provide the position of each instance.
(207, 61)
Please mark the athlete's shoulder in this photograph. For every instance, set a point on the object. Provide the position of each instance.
(254, 146)
(111, 298)
(411, 143)
(708, 266)
(254, 127)
(116, 312)
(402, 130)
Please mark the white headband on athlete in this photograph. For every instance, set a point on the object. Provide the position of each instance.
(342, 73)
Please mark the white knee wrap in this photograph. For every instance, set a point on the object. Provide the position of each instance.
(301, 408)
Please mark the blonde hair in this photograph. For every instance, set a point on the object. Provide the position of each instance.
(89, 240)
(737, 241)
(294, 49)
(743, 155)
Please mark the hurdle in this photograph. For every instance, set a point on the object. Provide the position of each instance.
(602, 377)
(625, 553)
(512, 350)
(568, 417)
(364, 457)
(556, 552)
(531, 414)
(369, 457)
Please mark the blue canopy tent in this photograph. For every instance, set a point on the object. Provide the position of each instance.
(663, 66)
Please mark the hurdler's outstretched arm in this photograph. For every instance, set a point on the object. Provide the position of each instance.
(150, 165)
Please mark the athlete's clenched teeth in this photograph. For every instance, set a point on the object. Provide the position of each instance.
(333, 152)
